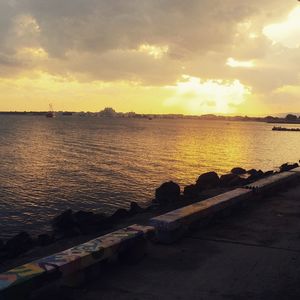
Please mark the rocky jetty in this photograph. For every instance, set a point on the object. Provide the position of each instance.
(287, 167)
(168, 196)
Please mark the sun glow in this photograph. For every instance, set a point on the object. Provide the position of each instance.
(211, 96)
(286, 33)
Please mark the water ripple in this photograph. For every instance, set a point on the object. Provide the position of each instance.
(96, 164)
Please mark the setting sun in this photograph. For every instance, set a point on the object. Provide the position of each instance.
(196, 96)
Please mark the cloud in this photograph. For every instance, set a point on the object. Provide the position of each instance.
(286, 33)
(188, 29)
(153, 42)
(231, 62)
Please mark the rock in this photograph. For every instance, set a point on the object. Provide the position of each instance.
(238, 171)
(119, 214)
(227, 178)
(287, 167)
(82, 218)
(152, 207)
(208, 181)
(64, 225)
(268, 173)
(64, 221)
(19, 244)
(135, 208)
(167, 192)
(89, 222)
(252, 172)
(1, 245)
(101, 219)
(44, 240)
(230, 180)
(190, 191)
(255, 175)
(84, 221)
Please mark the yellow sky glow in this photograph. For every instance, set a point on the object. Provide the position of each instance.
(196, 96)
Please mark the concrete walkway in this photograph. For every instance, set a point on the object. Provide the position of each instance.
(252, 254)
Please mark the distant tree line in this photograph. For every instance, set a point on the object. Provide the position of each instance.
(291, 117)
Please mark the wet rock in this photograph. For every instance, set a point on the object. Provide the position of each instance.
(168, 192)
(190, 191)
(135, 208)
(44, 240)
(238, 171)
(287, 167)
(19, 244)
(207, 181)
(231, 180)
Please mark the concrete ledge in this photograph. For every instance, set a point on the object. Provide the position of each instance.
(171, 226)
(22, 280)
(272, 182)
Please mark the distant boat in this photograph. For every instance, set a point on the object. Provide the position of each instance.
(50, 113)
(275, 128)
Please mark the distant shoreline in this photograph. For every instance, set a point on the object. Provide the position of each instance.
(269, 119)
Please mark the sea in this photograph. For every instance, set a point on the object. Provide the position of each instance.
(101, 164)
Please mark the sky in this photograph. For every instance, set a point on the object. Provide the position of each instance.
(151, 56)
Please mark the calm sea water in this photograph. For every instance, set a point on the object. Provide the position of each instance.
(49, 165)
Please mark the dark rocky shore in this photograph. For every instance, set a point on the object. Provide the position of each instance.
(71, 228)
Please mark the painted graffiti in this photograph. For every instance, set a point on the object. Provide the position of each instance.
(73, 259)
(20, 274)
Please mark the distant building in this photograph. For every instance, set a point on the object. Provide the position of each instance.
(108, 112)
(291, 117)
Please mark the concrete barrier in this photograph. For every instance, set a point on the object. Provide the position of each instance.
(21, 281)
(272, 182)
(171, 226)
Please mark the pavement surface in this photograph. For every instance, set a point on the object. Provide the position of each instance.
(252, 254)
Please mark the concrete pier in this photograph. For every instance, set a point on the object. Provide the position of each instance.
(252, 254)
